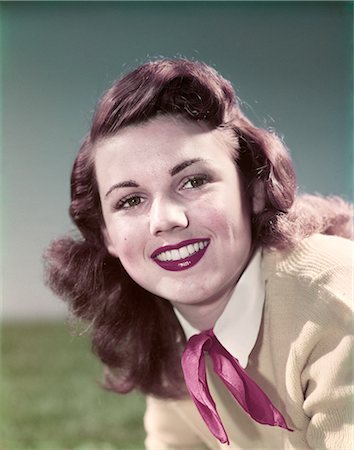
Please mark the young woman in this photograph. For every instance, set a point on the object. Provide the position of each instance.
(192, 231)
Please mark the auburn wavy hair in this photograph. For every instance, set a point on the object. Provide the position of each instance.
(135, 333)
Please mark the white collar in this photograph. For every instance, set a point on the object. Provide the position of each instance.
(238, 326)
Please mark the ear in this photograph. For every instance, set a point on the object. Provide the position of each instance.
(258, 197)
(108, 243)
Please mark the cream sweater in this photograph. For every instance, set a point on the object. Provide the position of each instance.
(302, 360)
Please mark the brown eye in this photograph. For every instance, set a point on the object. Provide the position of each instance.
(130, 202)
(195, 182)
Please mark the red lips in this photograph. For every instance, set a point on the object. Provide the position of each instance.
(183, 263)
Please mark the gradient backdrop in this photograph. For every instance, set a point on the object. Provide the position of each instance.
(289, 61)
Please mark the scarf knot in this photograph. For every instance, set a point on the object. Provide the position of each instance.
(244, 390)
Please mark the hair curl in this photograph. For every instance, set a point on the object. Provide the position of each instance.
(135, 333)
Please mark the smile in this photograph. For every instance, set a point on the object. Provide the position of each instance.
(182, 256)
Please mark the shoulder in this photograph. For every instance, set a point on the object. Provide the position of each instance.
(318, 272)
(311, 256)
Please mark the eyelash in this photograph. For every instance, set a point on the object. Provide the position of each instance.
(123, 201)
(204, 178)
(120, 205)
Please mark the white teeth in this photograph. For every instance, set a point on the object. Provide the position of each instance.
(161, 257)
(175, 255)
(181, 253)
(191, 249)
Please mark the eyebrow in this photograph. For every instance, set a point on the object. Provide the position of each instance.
(174, 171)
(123, 184)
(179, 167)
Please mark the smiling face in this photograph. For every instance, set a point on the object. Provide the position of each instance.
(174, 210)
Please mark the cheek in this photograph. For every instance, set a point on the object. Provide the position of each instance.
(127, 249)
(124, 242)
(227, 221)
(218, 221)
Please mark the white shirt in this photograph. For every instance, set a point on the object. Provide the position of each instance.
(238, 326)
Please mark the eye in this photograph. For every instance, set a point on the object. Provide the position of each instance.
(129, 202)
(195, 182)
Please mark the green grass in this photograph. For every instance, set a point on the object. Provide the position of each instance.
(52, 398)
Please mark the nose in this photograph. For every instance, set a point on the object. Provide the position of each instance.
(167, 214)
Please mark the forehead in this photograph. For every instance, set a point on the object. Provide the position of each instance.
(166, 139)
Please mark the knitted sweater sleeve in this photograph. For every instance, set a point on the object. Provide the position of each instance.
(327, 375)
(329, 395)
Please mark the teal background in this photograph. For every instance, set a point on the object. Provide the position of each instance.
(290, 62)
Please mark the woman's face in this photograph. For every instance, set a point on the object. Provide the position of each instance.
(174, 210)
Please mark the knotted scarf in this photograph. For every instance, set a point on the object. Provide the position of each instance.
(245, 391)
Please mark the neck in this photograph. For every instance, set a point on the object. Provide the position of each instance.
(204, 315)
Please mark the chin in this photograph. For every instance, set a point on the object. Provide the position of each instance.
(187, 294)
